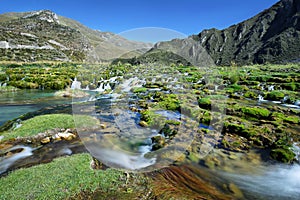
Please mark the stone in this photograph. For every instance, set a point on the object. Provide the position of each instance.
(232, 157)
(236, 191)
(143, 124)
(103, 126)
(66, 136)
(158, 142)
(56, 137)
(46, 140)
(134, 109)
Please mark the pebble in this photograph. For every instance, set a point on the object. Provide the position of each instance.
(143, 124)
(103, 126)
(66, 136)
(46, 140)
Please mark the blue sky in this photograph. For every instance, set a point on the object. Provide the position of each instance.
(185, 16)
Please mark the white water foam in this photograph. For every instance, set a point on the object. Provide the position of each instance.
(5, 163)
(271, 182)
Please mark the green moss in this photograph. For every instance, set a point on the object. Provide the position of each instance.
(275, 95)
(193, 157)
(225, 143)
(204, 103)
(169, 102)
(291, 86)
(139, 90)
(234, 128)
(283, 155)
(172, 122)
(292, 119)
(63, 178)
(152, 119)
(235, 87)
(259, 113)
(250, 94)
(280, 117)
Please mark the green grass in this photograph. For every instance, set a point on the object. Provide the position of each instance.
(43, 123)
(63, 178)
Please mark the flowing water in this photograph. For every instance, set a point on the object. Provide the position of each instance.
(269, 182)
(193, 180)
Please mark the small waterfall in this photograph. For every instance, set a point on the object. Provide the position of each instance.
(296, 150)
(271, 88)
(100, 88)
(130, 83)
(216, 87)
(285, 98)
(107, 87)
(76, 84)
(260, 98)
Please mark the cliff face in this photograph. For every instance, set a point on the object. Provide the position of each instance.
(272, 36)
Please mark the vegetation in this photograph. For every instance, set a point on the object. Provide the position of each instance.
(209, 105)
(66, 177)
(40, 124)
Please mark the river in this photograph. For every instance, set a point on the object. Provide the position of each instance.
(248, 181)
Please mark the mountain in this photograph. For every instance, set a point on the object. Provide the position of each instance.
(177, 51)
(43, 35)
(272, 36)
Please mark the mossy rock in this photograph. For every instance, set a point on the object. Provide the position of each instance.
(169, 130)
(234, 128)
(291, 86)
(250, 94)
(139, 90)
(205, 103)
(259, 113)
(158, 142)
(169, 102)
(275, 95)
(283, 154)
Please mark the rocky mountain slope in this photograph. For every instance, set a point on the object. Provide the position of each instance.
(43, 35)
(177, 51)
(272, 36)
